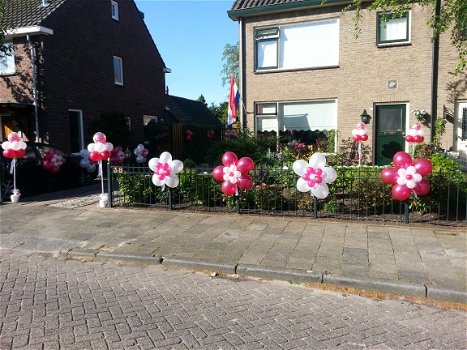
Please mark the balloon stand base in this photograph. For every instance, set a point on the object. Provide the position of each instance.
(103, 201)
(15, 198)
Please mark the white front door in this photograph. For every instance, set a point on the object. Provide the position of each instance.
(461, 127)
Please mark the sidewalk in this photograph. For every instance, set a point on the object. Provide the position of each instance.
(427, 262)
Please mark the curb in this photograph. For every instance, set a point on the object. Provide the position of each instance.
(280, 274)
(301, 276)
(199, 265)
(383, 286)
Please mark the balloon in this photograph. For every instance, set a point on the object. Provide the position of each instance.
(418, 138)
(229, 158)
(228, 188)
(95, 156)
(331, 174)
(218, 173)
(177, 166)
(9, 153)
(244, 182)
(20, 153)
(99, 137)
(105, 154)
(423, 166)
(321, 191)
(400, 192)
(245, 165)
(402, 159)
(165, 170)
(422, 188)
(389, 175)
(14, 137)
(317, 160)
(172, 181)
(409, 138)
(364, 137)
(299, 167)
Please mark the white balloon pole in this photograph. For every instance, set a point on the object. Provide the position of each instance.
(360, 154)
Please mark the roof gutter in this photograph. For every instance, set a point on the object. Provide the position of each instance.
(284, 7)
(25, 31)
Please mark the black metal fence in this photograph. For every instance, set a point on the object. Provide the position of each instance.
(357, 194)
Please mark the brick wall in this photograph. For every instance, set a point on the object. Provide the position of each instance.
(361, 80)
(78, 69)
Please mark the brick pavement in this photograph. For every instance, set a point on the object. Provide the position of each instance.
(414, 260)
(62, 303)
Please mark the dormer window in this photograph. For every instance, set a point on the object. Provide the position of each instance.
(114, 6)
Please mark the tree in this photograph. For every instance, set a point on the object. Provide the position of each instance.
(231, 61)
(220, 111)
(451, 14)
(202, 100)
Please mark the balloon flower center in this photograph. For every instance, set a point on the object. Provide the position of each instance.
(313, 176)
(162, 170)
(409, 177)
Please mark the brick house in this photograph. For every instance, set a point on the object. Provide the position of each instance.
(72, 61)
(301, 68)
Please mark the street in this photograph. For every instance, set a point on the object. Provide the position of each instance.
(56, 303)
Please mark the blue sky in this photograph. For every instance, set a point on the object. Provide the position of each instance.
(191, 36)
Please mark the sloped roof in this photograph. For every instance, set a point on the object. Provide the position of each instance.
(25, 13)
(244, 8)
(190, 112)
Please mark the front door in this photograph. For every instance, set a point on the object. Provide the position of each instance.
(390, 126)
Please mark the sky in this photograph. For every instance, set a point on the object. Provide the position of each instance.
(190, 36)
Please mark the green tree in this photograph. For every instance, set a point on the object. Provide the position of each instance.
(452, 14)
(220, 111)
(202, 100)
(231, 61)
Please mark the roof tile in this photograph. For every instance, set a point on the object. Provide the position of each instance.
(25, 13)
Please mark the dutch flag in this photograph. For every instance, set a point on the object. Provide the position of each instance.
(234, 99)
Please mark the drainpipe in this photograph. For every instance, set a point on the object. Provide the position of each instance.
(242, 78)
(434, 71)
(34, 86)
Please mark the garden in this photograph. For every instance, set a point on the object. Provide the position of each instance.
(358, 191)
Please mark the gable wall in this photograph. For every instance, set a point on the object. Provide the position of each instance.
(78, 68)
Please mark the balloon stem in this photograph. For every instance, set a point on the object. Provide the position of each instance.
(406, 212)
(14, 175)
(315, 207)
(102, 175)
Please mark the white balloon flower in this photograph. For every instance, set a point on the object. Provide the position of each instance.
(314, 175)
(165, 170)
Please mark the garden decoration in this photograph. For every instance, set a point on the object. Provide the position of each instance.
(98, 151)
(14, 148)
(117, 156)
(165, 170)
(85, 162)
(141, 153)
(53, 161)
(407, 176)
(233, 173)
(188, 134)
(414, 135)
(359, 135)
(314, 175)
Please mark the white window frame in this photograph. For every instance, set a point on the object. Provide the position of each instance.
(315, 53)
(114, 10)
(271, 115)
(118, 70)
(383, 20)
(7, 61)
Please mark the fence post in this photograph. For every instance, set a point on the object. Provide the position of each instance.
(170, 198)
(109, 185)
(315, 207)
(237, 204)
(406, 212)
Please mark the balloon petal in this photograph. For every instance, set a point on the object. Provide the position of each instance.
(331, 175)
(157, 181)
(302, 185)
(402, 159)
(229, 158)
(172, 181)
(299, 167)
(165, 157)
(320, 191)
(176, 166)
(423, 166)
(317, 160)
(228, 188)
(153, 163)
(400, 192)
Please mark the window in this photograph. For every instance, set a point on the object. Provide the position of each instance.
(114, 6)
(303, 45)
(392, 29)
(307, 115)
(118, 70)
(7, 60)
